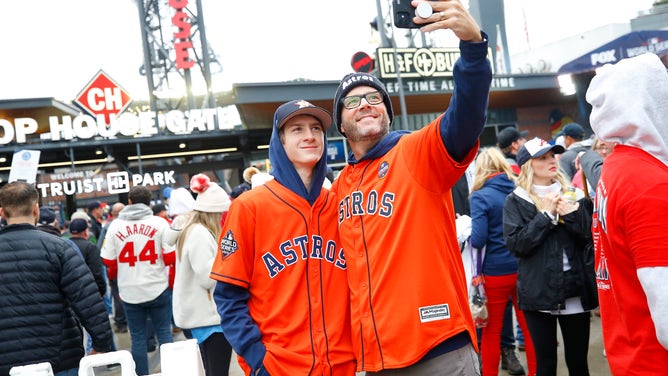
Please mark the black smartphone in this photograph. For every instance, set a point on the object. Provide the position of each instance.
(403, 13)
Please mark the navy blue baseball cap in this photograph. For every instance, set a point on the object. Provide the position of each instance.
(78, 226)
(535, 148)
(46, 215)
(574, 130)
(509, 135)
(288, 110)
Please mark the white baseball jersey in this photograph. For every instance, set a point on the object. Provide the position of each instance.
(136, 241)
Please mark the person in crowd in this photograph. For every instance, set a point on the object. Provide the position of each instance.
(493, 181)
(48, 221)
(630, 215)
(46, 292)
(550, 235)
(91, 253)
(305, 331)
(246, 184)
(460, 199)
(95, 214)
(196, 249)
(77, 214)
(590, 162)
(180, 201)
(80, 233)
(575, 141)
(396, 217)
(120, 322)
(136, 253)
(161, 211)
(510, 140)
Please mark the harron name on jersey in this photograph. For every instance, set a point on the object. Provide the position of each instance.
(136, 229)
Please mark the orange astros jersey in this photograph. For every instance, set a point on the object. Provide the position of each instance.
(408, 291)
(287, 254)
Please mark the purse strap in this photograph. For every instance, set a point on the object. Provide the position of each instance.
(478, 263)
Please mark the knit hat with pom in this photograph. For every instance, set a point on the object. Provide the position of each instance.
(211, 198)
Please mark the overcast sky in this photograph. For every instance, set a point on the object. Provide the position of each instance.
(53, 48)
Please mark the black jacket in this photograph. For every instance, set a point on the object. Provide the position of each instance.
(91, 254)
(539, 246)
(95, 227)
(46, 289)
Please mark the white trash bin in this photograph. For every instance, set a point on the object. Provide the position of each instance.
(122, 357)
(181, 358)
(39, 369)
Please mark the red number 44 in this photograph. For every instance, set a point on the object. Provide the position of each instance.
(147, 253)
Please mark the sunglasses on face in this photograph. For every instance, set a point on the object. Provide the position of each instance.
(354, 101)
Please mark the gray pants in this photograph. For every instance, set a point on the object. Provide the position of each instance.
(461, 362)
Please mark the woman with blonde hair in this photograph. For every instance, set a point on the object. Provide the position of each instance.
(196, 247)
(492, 182)
(549, 232)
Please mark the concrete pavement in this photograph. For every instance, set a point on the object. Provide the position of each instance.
(598, 365)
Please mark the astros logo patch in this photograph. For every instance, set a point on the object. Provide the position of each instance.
(383, 169)
(228, 245)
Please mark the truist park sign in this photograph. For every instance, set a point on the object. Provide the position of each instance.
(104, 103)
(112, 182)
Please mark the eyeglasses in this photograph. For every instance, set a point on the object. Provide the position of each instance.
(354, 101)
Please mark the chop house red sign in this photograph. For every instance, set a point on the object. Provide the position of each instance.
(182, 42)
(103, 96)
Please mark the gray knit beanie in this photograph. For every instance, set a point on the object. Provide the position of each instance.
(351, 81)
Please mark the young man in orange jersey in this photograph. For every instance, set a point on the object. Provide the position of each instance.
(282, 293)
(397, 224)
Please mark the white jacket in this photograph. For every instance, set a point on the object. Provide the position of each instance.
(193, 303)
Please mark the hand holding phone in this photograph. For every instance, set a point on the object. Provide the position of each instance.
(404, 12)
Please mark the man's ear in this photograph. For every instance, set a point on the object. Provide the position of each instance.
(35, 210)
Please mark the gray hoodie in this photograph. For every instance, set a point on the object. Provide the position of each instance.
(630, 106)
(135, 212)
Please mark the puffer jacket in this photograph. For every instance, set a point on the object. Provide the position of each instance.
(539, 246)
(46, 290)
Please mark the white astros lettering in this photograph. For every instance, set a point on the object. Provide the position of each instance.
(141, 229)
(299, 249)
(373, 204)
(355, 79)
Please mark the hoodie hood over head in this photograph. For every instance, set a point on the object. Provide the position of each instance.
(630, 104)
(282, 168)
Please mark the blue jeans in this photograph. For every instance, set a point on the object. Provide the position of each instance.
(520, 336)
(160, 312)
(507, 337)
(107, 295)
